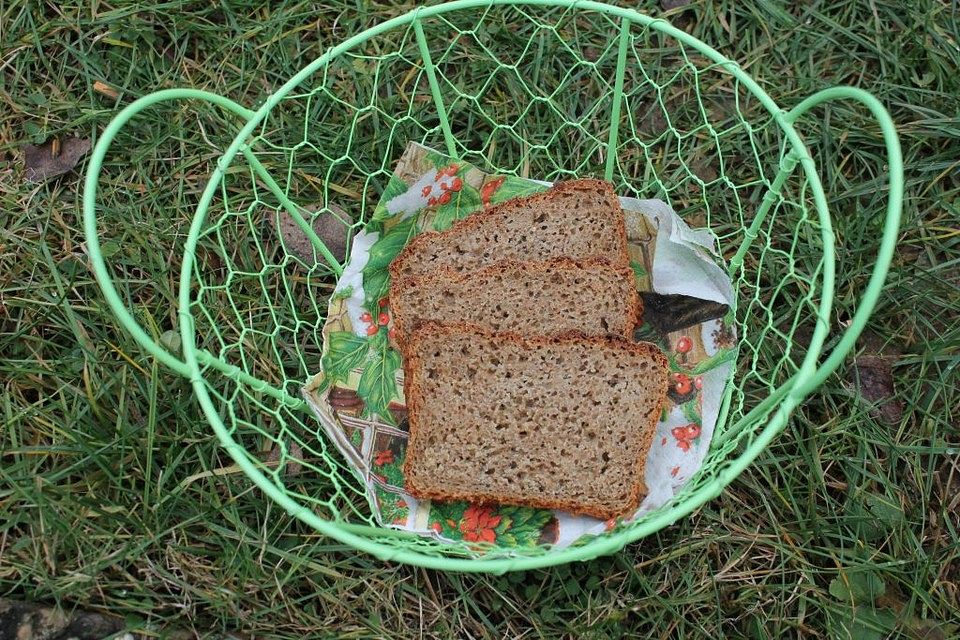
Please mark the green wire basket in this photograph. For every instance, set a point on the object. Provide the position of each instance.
(546, 89)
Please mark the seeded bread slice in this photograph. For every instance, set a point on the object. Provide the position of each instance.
(554, 296)
(575, 219)
(563, 422)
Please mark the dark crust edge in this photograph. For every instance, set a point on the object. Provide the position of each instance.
(482, 215)
(633, 303)
(414, 398)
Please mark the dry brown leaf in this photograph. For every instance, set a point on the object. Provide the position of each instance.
(704, 170)
(292, 465)
(53, 158)
(652, 122)
(872, 380)
(331, 227)
(104, 89)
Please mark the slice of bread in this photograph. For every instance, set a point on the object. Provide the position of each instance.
(562, 422)
(575, 219)
(530, 298)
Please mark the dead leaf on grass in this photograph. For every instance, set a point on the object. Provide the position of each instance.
(872, 380)
(704, 170)
(53, 158)
(104, 89)
(652, 122)
(292, 465)
(331, 226)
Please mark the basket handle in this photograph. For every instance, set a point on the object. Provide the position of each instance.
(891, 228)
(100, 270)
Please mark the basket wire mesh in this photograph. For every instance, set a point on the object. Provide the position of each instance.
(547, 89)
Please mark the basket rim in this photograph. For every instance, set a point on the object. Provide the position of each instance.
(360, 537)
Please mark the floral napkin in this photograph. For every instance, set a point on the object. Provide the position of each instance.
(358, 395)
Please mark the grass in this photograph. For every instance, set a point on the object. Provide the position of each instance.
(111, 494)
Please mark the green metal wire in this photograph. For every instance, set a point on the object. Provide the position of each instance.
(538, 88)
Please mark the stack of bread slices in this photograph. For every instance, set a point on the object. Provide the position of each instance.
(522, 382)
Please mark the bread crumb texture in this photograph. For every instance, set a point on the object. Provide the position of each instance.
(562, 422)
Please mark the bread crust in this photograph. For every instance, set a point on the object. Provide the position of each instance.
(633, 305)
(414, 396)
(479, 217)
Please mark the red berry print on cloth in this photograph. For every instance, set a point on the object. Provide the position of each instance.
(675, 471)
(683, 347)
(384, 302)
(681, 388)
(449, 170)
(478, 524)
(489, 188)
(383, 457)
(383, 319)
(436, 527)
(447, 187)
(698, 382)
(367, 318)
(685, 435)
(426, 190)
